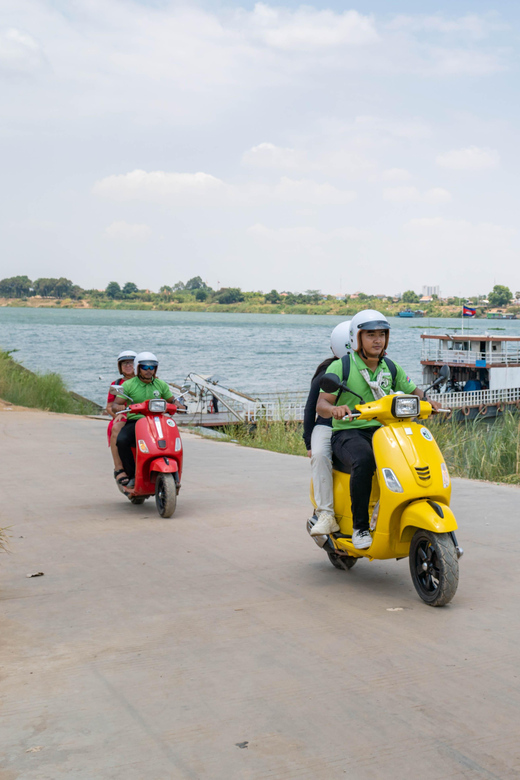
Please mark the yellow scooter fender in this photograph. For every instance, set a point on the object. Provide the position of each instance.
(423, 514)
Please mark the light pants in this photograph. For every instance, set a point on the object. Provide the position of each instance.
(321, 468)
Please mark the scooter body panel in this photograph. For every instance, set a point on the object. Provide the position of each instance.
(157, 441)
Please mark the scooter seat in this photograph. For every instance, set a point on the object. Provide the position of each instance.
(337, 465)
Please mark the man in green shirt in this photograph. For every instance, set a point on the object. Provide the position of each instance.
(370, 376)
(144, 386)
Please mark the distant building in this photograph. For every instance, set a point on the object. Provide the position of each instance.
(431, 291)
(426, 299)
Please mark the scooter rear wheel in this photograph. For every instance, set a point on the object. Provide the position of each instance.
(343, 562)
(434, 567)
(165, 494)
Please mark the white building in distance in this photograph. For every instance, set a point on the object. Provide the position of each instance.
(429, 291)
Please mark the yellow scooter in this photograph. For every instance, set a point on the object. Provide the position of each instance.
(410, 501)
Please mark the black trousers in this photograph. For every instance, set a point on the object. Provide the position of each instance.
(125, 442)
(354, 449)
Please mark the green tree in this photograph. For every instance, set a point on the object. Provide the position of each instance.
(196, 284)
(500, 296)
(410, 297)
(273, 297)
(201, 295)
(62, 287)
(179, 286)
(230, 295)
(113, 290)
(44, 287)
(129, 289)
(16, 287)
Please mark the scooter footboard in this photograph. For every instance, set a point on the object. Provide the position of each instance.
(428, 515)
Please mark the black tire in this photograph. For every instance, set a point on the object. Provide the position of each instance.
(434, 567)
(137, 499)
(343, 562)
(165, 494)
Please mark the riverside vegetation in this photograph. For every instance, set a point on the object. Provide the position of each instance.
(22, 387)
(474, 450)
(196, 295)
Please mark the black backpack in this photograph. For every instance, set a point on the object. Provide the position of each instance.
(345, 362)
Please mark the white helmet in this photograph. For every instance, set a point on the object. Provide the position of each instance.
(368, 319)
(126, 354)
(145, 357)
(340, 339)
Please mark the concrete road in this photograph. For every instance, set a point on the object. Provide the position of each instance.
(222, 645)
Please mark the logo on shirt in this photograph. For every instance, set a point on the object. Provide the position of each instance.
(386, 382)
(156, 394)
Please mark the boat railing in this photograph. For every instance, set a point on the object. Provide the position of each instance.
(453, 356)
(480, 398)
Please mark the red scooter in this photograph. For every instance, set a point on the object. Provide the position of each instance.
(158, 453)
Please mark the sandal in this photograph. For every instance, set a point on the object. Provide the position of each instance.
(123, 481)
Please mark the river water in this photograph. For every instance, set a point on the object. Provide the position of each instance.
(253, 353)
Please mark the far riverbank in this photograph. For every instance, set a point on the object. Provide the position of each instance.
(335, 308)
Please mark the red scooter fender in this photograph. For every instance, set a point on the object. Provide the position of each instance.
(164, 464)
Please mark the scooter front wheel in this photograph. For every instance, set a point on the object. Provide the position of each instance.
(342, 561)
(165, 494)
(434, 567)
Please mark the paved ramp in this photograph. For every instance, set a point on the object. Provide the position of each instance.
(222, 645)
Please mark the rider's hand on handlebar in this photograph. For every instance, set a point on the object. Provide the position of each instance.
(435, 406)
(339, 412)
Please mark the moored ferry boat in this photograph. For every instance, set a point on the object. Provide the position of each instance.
(485, 371)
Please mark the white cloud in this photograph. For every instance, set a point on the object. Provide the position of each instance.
(334, 162)
(267, 155)
(127, 231)
(303, 235)
(472, 25)
(202, 188)
(413, 195)
(20, 54)
(472, 158)
(158, 186)
(307, 191)
(396, 174)
(308, 29)
(463, 229)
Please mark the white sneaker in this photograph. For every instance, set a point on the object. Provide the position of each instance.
(361, 539)
(326, 524)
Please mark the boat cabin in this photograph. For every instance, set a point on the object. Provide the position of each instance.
(477, 362)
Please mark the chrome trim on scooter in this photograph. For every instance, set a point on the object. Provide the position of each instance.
(321, 541)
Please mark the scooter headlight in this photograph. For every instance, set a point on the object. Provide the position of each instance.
(445, 476)
(157, 405)
(406, 406)
(391, 481)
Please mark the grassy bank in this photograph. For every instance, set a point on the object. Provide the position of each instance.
(256, 305)
(475, 450)
(21, 387)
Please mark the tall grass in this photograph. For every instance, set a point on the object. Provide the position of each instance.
(480, 449)
(276, 436)
(40, 391)
(476, 450)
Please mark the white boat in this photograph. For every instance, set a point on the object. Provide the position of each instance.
(485, 371)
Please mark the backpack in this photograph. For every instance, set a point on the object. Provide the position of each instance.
(345, 363)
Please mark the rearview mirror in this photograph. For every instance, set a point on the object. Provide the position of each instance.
(330, 383)
(444, 374)
(116, 390)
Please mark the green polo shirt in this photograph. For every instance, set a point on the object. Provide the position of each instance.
(141, 391)
(358, 384)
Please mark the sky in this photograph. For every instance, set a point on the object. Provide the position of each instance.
(335, 146)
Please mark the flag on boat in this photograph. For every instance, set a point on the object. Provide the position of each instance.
(468, 311)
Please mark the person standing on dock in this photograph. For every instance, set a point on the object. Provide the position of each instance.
(317, 433)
